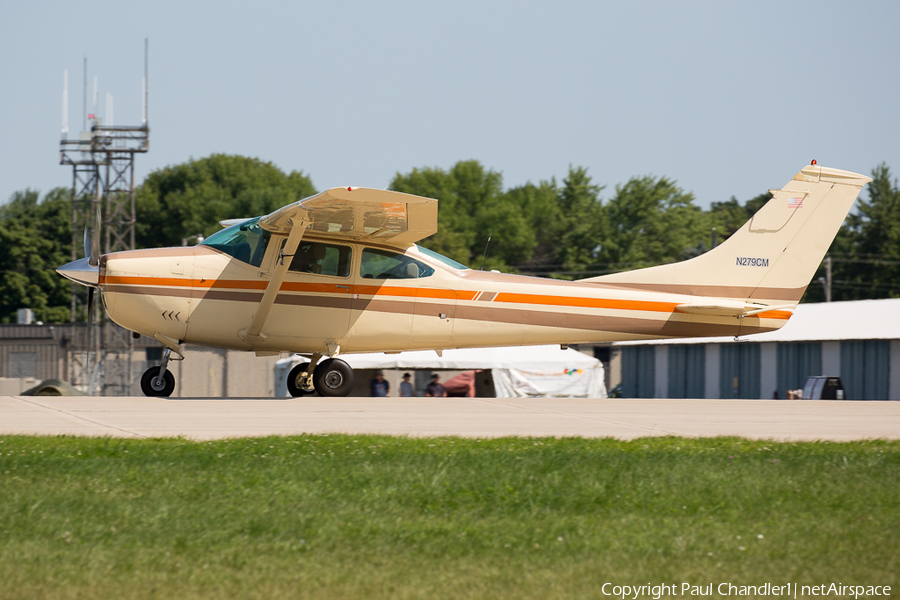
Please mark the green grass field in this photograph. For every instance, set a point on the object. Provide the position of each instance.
(383, 517)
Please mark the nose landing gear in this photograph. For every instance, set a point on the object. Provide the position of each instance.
(158, 381)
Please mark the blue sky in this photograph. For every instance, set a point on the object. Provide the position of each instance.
(726, 98)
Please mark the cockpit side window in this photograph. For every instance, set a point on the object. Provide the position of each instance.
(384, 264)
(321, 259)
(245, 241)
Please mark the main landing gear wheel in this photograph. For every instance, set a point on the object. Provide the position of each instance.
(333, 377)
(154, 385)
(295, 383)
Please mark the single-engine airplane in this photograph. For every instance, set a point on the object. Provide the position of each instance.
(340, 272)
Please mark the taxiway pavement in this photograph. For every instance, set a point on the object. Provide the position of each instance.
(215, 418)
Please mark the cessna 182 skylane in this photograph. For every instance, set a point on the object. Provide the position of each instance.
(340, 272)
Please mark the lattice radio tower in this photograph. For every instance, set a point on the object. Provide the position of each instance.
(102, 161)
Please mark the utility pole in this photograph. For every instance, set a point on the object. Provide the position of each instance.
(827, 278)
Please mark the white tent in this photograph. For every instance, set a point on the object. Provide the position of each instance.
(519, 371)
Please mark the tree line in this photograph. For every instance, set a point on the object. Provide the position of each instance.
(566, 229)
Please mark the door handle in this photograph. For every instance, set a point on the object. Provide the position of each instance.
(346, 287)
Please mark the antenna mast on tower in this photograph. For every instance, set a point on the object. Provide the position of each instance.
(102, 161)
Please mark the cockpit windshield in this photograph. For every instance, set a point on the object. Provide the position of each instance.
(447, 261)
(245, 241)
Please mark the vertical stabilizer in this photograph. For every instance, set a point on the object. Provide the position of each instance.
(773, 257)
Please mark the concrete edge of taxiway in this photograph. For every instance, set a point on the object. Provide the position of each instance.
(217, 418)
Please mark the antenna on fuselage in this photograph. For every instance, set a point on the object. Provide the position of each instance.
(485, 252)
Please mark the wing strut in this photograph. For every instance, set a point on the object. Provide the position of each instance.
(254, 332)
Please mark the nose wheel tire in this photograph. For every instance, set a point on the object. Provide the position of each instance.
(295, 381)
(153, 385)
(333, 377)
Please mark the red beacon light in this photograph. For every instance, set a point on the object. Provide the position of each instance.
(814, 162)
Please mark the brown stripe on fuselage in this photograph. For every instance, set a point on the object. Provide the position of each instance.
(206, 294)
(629, 325)
(672, 327)
(317, 301)
(397, 307)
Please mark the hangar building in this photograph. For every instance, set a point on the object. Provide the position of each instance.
(858, 341)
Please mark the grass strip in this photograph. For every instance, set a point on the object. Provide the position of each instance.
(349, 516)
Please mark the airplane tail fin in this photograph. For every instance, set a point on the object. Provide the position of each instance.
(771, 259)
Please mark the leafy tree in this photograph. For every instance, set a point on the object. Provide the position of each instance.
(538, 207)
(465, 193)
(580, 222)
(542, 227)
(650, 221)
(184, 200)
(36, 238)
(866, 253)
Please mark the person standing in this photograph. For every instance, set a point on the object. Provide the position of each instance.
(379, 387)
(435, 389)
(406, 388)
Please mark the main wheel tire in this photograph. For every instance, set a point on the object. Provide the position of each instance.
(152, 385)
(333, 377)
(295, 381)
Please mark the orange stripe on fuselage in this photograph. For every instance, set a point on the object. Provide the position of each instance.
(239, 284)
(579, 302)
(411, 292)
(575, 301)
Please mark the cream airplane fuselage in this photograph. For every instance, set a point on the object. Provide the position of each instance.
(340, 272)
(204, 296)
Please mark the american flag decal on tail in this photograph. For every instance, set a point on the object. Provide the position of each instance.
(795, 202)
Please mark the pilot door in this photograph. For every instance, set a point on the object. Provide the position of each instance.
(315, 297)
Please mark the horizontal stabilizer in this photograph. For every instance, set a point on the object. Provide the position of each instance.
(729, 309)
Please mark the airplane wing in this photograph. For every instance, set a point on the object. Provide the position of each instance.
(360, 214)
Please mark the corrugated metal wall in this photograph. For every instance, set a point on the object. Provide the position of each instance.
(739, 371)
(796, 362)
(687, 371)
(865, 369)
(40, 360)
(638, 371)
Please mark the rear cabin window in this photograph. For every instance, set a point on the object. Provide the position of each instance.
(447, 261)
(384, 264)
(245, 241)
(321, 259)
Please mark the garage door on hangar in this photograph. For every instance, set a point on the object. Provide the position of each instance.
(865, 369)
(739, 370)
